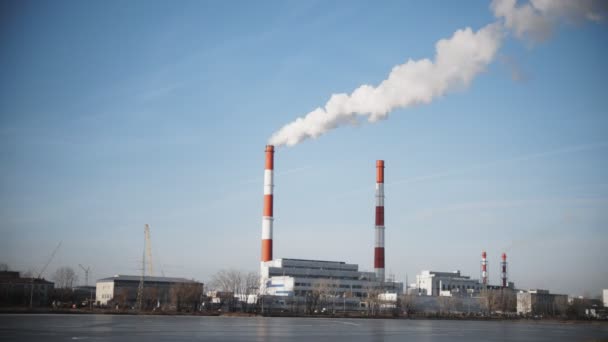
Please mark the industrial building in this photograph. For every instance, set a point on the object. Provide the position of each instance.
(432, 283)
(15, 290)
(541, 302)
(298, 279)
(122, 289)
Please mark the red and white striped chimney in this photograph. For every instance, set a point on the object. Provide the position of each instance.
(484, 268)
(379, 246)
(503, 270)
(267, 213)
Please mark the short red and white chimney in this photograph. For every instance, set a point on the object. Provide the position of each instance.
(267, 215)
(484, 268)
(503, 270)
(379, 245)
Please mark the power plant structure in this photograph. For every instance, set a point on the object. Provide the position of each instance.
(379, 246)
(267, 215)
(296, 280)
(503, 270)
(484, 268)
(433, 283)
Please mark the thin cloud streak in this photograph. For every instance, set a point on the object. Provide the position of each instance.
(479, 166)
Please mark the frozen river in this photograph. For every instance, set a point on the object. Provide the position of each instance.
(187, 328)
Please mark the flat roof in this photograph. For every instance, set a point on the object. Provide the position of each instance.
(310, 260)
(122, 277)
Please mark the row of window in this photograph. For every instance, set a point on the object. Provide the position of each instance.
(322, 268)
(276, 274)
(460, 287)
(342, 286)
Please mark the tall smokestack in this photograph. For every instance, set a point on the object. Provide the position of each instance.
(484, 268)
(379, 246)
(503, 270)
(267, 213)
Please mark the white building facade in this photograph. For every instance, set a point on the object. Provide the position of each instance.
(299, 278)
(431, 283)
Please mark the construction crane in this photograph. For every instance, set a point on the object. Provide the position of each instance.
(147, 252)
(41, 272)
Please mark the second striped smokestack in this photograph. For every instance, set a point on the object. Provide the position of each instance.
(503, 270)
(379, 245)
(268, 202)
(484, 268)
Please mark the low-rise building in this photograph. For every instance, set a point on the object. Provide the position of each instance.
(18, 291)
(541, 302)
(122, 290)
(432, 283)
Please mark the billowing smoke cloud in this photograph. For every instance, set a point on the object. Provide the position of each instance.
(535, 20)
(458, 60)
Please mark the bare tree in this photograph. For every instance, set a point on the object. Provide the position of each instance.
(65, 277)
(408, 303)
(186, 296)
(372, 293)
(240, 284)
(251, 287)
(4, 267)
(446, 304)
(492, 300)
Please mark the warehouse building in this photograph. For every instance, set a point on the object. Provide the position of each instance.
(122, 289)
(541, 302)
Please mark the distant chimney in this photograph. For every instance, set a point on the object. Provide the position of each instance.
(503, 270)
(484, 268)
(267, 215)
(379, 245)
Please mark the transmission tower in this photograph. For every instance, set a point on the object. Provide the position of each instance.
(86, 274)
(149, 250)
(147, 253)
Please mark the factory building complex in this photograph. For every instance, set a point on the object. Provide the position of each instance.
(286, 281)
(297, 278)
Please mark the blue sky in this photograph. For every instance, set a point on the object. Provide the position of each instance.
(117, 114)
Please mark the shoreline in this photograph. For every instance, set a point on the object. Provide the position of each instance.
(44, 311)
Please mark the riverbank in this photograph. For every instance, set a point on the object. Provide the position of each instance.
(97, 311)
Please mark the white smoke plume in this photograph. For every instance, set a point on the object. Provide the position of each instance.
(536, 19)
(458, 60)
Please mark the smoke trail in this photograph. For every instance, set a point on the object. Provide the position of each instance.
(458, 60)
(535, 20)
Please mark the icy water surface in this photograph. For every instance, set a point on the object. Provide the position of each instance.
(186, 328)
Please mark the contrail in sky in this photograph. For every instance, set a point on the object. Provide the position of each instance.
(478, 166)
(457, 61)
